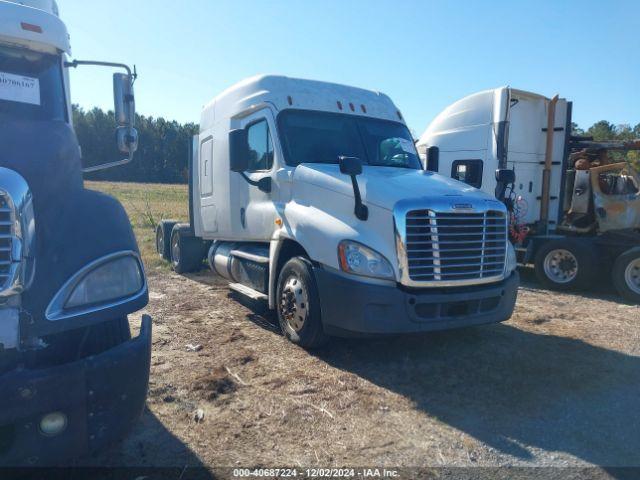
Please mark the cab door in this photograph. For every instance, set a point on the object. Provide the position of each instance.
(616, 196)
(257, 213)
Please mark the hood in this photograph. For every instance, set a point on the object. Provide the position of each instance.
(46, 154)
(386, 186)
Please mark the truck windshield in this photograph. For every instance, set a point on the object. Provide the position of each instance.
(318, 137)
(31, 85)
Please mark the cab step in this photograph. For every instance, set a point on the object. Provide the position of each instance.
(248, 291)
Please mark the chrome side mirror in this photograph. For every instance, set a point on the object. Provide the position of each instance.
(127, 138)
(124, 107)
(125, 113)
(124, 100)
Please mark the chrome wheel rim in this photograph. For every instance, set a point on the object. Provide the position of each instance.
(294, 303)
(632, 275)
(175, 250)
(561, 266)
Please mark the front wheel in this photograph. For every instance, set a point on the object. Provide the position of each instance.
(298, 304)
(626, 275)
(566, 264)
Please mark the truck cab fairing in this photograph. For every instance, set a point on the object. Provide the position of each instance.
(502, 128)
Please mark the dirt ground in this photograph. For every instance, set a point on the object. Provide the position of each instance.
(557, 385)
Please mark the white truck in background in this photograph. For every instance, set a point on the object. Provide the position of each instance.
(311, 196)
(574, 202)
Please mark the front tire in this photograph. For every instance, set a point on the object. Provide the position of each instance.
(566, 264)
(626, 275)
(298, 304)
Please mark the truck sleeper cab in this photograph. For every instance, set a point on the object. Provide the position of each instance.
(575, 202)
(311, 195)
(72, 378)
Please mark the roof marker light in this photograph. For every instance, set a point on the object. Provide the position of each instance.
(352, 107)
(364, 109)
(30, 27)
(399, 115)
(339, 103)
(290, 100)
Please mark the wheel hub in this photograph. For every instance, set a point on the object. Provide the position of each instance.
(561, 266)
(294, 303)
(175, 250)
(160, 243)
(632, 275)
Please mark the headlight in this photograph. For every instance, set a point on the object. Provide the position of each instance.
(357, 259)
(110, 280)
(512, 262)
(116, 279)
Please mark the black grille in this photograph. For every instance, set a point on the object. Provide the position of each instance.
(6, 235)
(455, 246)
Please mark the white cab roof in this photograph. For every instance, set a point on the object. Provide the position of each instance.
(50, 35)
(480, 108)
(293, 93)
(49, 6)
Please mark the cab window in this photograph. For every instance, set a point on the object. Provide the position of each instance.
(468, 171)
(260, 147)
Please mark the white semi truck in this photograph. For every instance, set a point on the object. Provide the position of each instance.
(311, 196)
(72, 380)
(575, 203)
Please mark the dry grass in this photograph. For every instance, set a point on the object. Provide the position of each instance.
(146, 205)
(558, 384)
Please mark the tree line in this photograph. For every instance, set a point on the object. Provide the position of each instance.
(163, 147)
(606, 131)
(163, 151)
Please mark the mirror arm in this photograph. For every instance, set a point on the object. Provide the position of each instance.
(263, 184)
(248, 180)
(109, 165)
(77, 63)
(361, 210)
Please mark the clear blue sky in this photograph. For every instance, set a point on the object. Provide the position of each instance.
(424, 54)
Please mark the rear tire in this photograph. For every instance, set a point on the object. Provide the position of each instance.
(298, 304)
(626, 275)
(163, 235)
(566, 264)
(187, 251)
